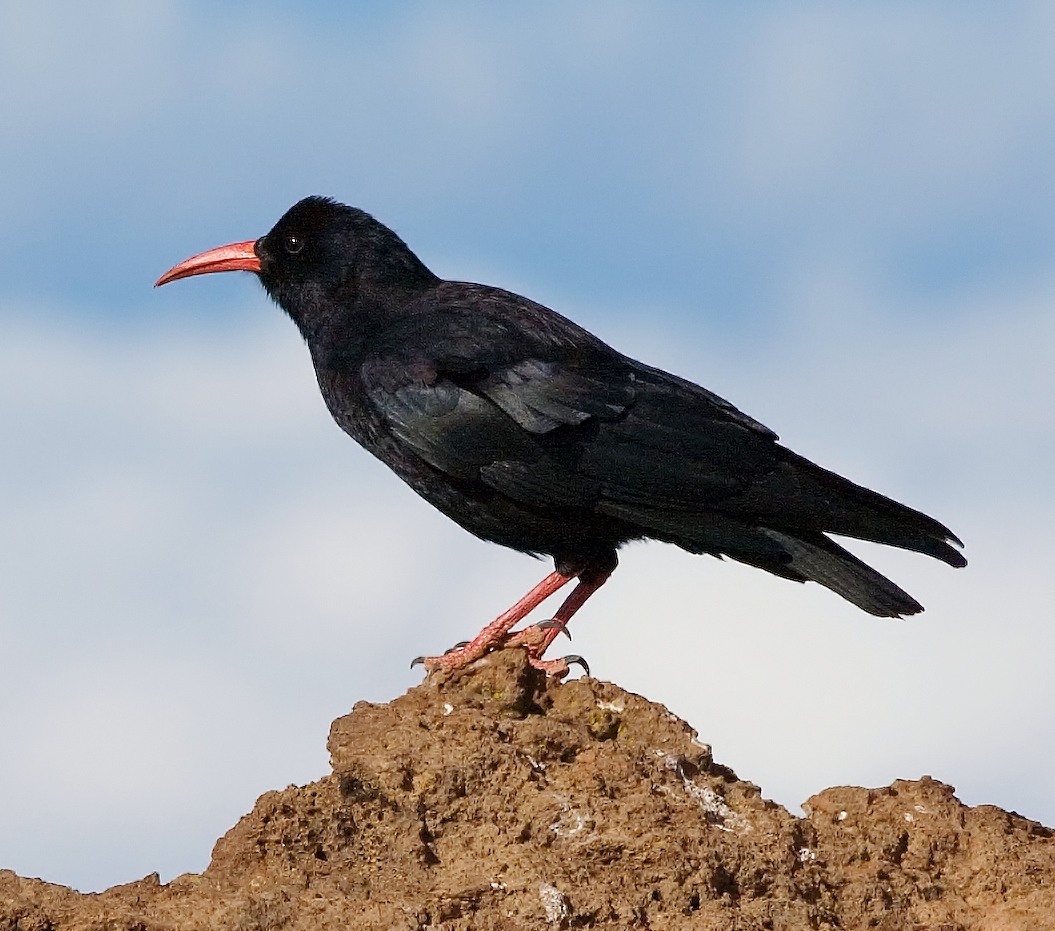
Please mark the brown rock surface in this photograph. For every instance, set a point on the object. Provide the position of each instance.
(494, 800)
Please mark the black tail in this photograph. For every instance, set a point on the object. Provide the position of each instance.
(836, 505)
(825, 503)
(820, 560)
(780, 525)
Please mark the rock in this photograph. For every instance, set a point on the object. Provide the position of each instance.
(493, 799)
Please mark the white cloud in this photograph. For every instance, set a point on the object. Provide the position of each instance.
(843, 123)
(933, 97)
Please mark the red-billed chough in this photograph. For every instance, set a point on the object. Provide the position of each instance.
(530, 432)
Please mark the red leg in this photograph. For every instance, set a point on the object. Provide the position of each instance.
(494, 634)
(538, 640)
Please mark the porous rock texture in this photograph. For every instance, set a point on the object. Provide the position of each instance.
(493, 799)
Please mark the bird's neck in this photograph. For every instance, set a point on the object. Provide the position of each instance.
(366, 296)
(339, 332)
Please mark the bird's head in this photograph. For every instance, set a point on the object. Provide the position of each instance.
(320, 259)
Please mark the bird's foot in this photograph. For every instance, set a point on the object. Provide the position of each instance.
(496, 634)
(534, 639)
(462, 653)
(558, 668)
(457, 656)
(554, 623)
(457, 646)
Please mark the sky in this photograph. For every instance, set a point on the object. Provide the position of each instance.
(839, 216)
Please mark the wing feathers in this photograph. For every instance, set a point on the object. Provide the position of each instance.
(541, 396)
(452, 429)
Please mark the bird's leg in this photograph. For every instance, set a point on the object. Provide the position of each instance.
(538, 638)
(494, 634)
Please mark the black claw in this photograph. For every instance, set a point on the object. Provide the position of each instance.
(574, 658)
(457, 646)
(417, 659)
(553, 622)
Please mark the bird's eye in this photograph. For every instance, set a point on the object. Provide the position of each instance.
(293, 243)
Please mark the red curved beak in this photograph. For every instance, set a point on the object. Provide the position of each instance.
(239, 256)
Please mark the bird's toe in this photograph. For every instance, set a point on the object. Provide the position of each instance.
(559, 668)
(554, 624)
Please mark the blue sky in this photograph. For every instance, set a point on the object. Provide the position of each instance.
(839, 216)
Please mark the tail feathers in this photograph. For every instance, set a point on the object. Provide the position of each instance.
(801, 556)
(820, 560)
(822, 501)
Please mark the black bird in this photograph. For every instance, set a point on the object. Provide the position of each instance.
(530, 432)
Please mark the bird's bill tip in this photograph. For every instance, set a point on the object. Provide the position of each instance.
(238, 256)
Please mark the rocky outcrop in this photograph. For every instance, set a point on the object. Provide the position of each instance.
(493, 799)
